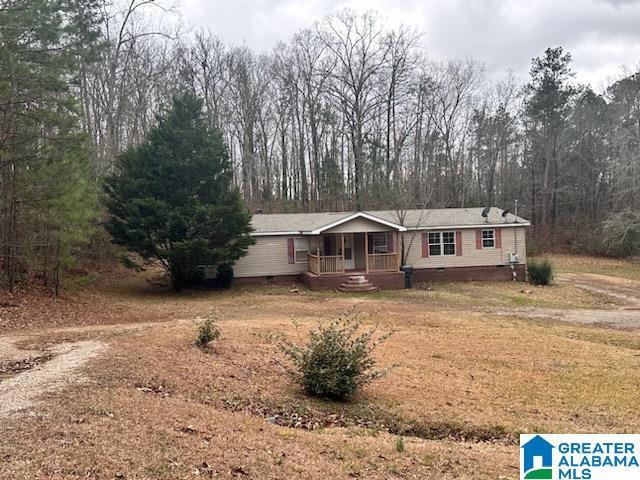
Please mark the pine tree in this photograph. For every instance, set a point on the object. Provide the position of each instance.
(547, 108)
(46, 190)
(172, 200)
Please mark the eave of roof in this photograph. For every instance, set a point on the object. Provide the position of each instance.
(480, 225)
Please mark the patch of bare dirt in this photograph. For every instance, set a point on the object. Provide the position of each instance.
(22, 391)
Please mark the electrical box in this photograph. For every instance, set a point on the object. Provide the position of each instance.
(514, 258)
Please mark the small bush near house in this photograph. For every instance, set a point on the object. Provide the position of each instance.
(225, 275)
(336, 361)
(208, 332)
(540, 271)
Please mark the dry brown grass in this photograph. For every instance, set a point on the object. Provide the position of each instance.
(624, 268)
(158, 407)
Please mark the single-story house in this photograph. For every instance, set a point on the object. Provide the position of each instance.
(322, 249)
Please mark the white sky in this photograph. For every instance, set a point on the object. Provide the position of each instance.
(602, 35)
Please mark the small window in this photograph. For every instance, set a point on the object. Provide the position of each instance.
(301, 250)
(442, 243)
(488, 239)
(380, 244)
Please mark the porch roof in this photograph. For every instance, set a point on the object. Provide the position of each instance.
(422, 219)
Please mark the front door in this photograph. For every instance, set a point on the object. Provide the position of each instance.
(349, 263)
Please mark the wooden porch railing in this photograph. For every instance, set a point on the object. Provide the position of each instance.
(383, 262)
(322, 265)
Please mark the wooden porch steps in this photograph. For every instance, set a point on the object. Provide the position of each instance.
(357, 283)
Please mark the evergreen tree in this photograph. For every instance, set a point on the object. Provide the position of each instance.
(46, 193)
(547, 109)
(172, 198)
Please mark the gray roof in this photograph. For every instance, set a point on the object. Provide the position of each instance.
(298, 223)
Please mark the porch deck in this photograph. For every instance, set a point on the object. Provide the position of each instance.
(335, 264)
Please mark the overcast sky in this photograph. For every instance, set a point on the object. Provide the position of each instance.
(602, 35)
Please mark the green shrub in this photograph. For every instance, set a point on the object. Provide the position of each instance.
(336, 361)
(208, 332)
(225, 275)
(540, 271)
(400, 444)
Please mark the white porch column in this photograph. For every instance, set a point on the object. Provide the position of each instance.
(366, 252)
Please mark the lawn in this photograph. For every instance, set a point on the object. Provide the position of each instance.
(622, 268)
(468, 377)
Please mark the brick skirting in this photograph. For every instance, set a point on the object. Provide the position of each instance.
(393, 280)
(265, 280)
(466, 274)
(382, 280)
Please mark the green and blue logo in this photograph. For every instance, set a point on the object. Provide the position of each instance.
(537, 459)
(580, 457)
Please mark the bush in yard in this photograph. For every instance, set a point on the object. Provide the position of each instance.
(208, 332)
(336, 361)
(540, 271)
(225, 275)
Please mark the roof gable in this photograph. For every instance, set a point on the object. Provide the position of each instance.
(354, 216)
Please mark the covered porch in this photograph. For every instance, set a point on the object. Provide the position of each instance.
(365, 252)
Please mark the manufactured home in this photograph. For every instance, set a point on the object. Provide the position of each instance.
(322, 250)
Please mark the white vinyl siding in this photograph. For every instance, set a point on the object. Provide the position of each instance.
(471, 256)
(269, 256)
(358, 225)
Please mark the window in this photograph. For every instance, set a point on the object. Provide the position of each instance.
(442, 243)
(301, 250)
(449, 243)
(380, 244)
(434, 244)
(488, 239)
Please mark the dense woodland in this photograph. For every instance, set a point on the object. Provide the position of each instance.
(348, 114)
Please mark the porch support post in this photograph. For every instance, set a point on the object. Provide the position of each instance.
(366, 252)
(342, 237)
(397, 249)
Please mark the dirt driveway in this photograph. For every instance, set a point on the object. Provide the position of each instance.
(624, 292)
